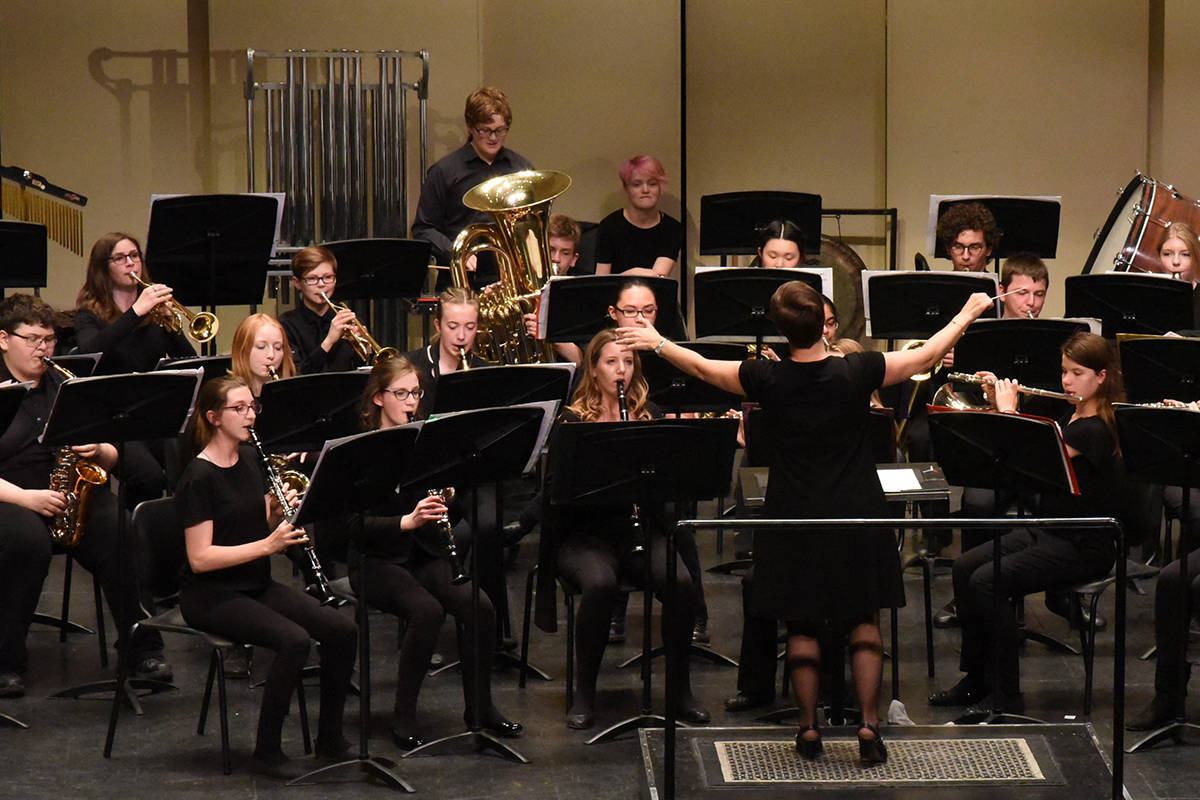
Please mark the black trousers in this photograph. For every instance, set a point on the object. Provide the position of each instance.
(595, 567)
(420, 593)
(1168, 602)
(25, 550)
(1030, 561)
(285, 620)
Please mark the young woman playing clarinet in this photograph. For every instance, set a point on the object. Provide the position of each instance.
(591, 547)
(260, 352)
(231, 529)
(816, 407)
(409, 574)
(1033, 560)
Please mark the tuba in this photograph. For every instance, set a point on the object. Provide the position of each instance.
(520, 204)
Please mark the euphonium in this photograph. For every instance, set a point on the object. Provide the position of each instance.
(319, 588)
(74, 477)
(520, 204)
(360, 339)
(200, 326)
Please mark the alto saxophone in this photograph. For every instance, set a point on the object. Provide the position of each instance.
(74, 477)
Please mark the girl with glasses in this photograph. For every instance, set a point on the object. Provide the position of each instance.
(409, 575)
(232, 526)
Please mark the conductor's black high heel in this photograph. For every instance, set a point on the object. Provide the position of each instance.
(872, 750)
(812, 748)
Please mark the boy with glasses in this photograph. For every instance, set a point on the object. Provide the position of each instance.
(441, 214)
(28, 505)
(968, 232)
(314, 331)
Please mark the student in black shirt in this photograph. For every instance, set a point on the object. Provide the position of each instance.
(639, 239)
(314, 331)
(456, 323)
(260, 348)
(231, 529)
(27, 505)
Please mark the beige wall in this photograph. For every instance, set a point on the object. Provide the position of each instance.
(867, 102)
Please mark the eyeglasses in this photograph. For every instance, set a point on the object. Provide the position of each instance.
(647, 312)
(319, 280)
(831, 323)
(492, 133)
(404, 394)
(35, 341)
(121, 258)
(958, 247)
(244, 409)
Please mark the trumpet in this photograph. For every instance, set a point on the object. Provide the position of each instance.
(463, 362)
(279, 484)
(360, 339)
(274, 373)
(947, 396)
(200, 326)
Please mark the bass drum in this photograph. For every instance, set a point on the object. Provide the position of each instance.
(847, 285)
(1129, 239)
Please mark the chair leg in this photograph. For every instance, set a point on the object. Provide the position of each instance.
(66, 598)
(529, 581)
(927, 579)
(226, 759)
(303, 703)
(101, 637)
(570, 604)
(1087, 641)
(207, 698)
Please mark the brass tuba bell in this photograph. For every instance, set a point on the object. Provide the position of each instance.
(520, 204)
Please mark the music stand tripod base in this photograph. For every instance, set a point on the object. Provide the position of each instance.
(5, 718)
(372, 766)
(693, 648)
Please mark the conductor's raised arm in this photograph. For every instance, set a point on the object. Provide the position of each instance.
(722, 374)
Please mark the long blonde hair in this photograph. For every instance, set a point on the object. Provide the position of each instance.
(243, 343)
(588, 401)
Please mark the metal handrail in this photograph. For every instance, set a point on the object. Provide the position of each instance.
(1106, 523)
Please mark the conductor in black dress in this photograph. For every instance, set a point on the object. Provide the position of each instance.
(815, 407)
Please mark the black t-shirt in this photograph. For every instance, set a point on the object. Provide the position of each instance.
(233, 498)
(305, 331)
(625, 245)
(1095, 470)
(23, 461)
(128, 345)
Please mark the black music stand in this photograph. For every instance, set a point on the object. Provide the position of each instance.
(352, 474)
(1028, 225)
(1154, 368)
(467, 450)
(1130, 302)
(1162, 445)
(991, 450)
(509, 385)
(732, 303)
(388, 271)
(211, 366)
(120, 409)
(575, 308)
(81, 365)
(728, 221)
(1026, 350)
(300, 414)
(673, 390)
(916, 305)
(613, 463)
(11, 397)
(24, 248)
(212, 249)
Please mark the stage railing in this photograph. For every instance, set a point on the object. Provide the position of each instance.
(1105, 523)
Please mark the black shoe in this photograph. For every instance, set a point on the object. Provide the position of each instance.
(1004, 704)
(1161, 710)
(332, 751)
(407, 741)
(947, 617)
(237, 662)
(153, 668)
(499, 724)
(809, 748)
(514, 532)
(11, 685)
(700, 633)
(871, 750)
(691, 712)
(276, 766)
(616, 632)
(580, 718)
(745, 701)
(963, 693)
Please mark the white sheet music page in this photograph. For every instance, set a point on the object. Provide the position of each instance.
(899, 480)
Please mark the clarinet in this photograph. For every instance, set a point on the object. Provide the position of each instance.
(319, 588)
(635, 518)
(446, 545)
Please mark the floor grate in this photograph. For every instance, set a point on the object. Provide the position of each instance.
(910, 761)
